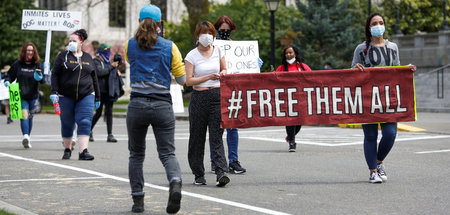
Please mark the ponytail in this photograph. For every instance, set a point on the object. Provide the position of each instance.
(146, 35)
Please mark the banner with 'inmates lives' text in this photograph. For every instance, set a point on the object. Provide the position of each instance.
(318, 97)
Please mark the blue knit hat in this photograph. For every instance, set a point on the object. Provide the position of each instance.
(150, 11)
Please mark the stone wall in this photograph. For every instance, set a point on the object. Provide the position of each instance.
(428, 51)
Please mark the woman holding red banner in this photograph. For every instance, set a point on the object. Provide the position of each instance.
(291, 62)
(27, 71)
(204, 65)
(376, 52)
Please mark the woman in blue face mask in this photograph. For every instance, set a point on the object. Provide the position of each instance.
(376, 52)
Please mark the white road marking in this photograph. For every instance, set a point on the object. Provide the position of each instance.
(104, 175)
(51, 179)
(243, 135)
(436, 151)
(343, 144)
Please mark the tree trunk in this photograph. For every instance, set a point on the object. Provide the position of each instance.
(196, 8)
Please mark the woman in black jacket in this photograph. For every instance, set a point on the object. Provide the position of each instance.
(104, 66)
(75, 87)
(27, 71)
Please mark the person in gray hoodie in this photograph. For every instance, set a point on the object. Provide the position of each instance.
(376, 52)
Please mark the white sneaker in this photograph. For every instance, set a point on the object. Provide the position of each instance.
(375, 178)
(26, 141)
(381, 172)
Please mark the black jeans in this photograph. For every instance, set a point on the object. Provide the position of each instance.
(291, 131)
(143, 112)
(204, 113)
(108, 113)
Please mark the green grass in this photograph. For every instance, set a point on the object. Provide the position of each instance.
(3, 212)
(122, 102)
(115, 110)
(119, 110)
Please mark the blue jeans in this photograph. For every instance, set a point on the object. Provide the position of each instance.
(232, 142)
(143, 112)
(79, 112)
(388, 131)
(30, 106)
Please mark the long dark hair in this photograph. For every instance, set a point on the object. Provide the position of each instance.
(146, 35)
(368, 34)
(297, 58)
(23, 53)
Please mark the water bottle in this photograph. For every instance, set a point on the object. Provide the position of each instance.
(57, 109)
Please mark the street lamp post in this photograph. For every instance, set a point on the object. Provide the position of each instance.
(370, 7)
(272, 6)
(444, 22)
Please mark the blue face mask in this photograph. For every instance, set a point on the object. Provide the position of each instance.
(377, 30)
(73, 46)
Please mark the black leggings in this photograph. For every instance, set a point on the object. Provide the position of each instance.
(108, 114)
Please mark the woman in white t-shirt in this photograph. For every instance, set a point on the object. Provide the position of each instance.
(204, 65)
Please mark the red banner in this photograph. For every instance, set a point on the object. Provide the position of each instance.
(317, 97)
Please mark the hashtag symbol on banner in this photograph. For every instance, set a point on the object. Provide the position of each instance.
(235, 104)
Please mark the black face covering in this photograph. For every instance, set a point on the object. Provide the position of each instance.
(223, 34)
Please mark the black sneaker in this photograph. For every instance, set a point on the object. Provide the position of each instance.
(138, 206)
(85, 155)
(213, 167)
(67, 154)
(111, 139)
(173, 206)
(222, 179)
(200, 180)
(8, 120)
(91, 137)
(292, 146)
(236, 168)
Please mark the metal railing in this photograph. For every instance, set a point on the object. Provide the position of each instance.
(440, 80)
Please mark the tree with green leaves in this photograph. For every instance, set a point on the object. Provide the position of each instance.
(327, 33)
(12, 37)
(415, 15)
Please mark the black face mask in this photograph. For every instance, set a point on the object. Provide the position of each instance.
(223, 34)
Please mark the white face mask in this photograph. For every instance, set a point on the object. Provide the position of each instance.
(73, 46)
(205, 39)
(291, 61)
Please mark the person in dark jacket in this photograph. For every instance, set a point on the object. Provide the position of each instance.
(27, 71)
(75, 87)
(104, 67)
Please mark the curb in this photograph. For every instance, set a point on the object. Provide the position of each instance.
(14, 209)
(400, 127)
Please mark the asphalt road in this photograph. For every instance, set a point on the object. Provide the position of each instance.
(327, 174)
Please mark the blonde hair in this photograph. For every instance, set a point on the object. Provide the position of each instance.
(146, 35)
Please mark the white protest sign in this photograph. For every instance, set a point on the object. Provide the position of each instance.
(177, 98)
(241, 56)
(4, 91)
(51, 20)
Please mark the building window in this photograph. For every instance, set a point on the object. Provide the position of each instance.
(53, 4)
(117, 11)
